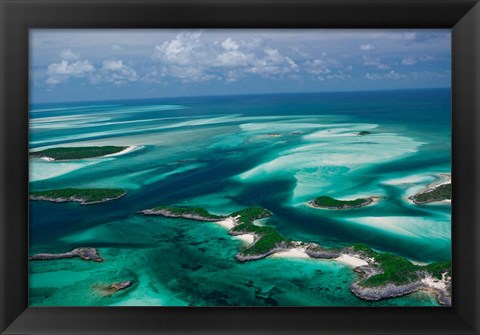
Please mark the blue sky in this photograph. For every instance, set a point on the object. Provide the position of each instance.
(78, 65)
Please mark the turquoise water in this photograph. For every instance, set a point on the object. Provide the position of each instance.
(228, 153)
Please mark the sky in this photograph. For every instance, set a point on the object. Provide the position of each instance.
(102, 64)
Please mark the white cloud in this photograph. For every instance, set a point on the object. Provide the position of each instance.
(113, 65)
(367, 47)
(383, 67)
(62, 71)
(189, 58)
(413, 61)
(317, 67)
(115, 71)
(69, 55)
(375, 61)
(229, 44)
(409, 61)
(389, 75)
(234, 59)
(185, 49)
(186, 73)
(64, 67)
(273, 63)
(430, 74)
(70, 65)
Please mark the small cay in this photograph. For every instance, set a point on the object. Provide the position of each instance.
(115, 287)
(327, 202)
(88, 254)
(72, 153)
(83, 196)
(198, 214)
(433, 194)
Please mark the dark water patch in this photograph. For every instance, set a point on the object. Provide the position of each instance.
(191, 267)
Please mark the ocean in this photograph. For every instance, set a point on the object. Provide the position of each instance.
(224, 154)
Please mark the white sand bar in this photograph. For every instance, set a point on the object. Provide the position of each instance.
(124, 151)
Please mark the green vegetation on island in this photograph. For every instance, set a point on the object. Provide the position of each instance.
(267, 238)
(364, 132)
(392, 269)
(439, 193)
(84, 196)
(332, 203)
(200, 214)
(70, 153)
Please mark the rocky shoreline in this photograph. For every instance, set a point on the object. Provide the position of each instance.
(169, 214)
(315, 251)
(391, 290)
(88, 254)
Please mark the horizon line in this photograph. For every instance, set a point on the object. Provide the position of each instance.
(239, 94)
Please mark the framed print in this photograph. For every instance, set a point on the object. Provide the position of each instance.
(240, 167)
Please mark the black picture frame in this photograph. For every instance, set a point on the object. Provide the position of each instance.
(18, 16)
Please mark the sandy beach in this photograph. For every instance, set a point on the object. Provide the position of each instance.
(247, 238)
(230, 222)
(291, 253)
(350, 260)
(227, 223)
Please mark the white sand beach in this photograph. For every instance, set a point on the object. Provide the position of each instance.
(291, 253)
(230, 222)
(227, 223)
(247, 238)
(350, 260)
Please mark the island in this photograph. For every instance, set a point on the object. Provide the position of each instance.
(381, 275)
(266, 240)
(83, 196)
(433, 194)
(88, 254)
(327, 202)
(73, 153)
(364, 132)
(388, 276)
(115, 287)
(198, 214)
